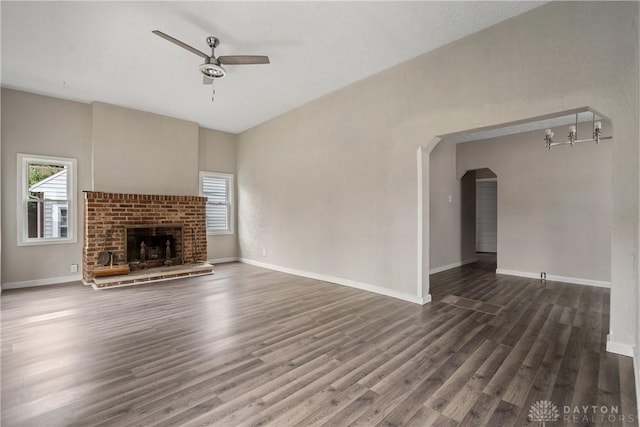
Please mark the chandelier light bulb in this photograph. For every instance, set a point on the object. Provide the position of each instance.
(572, 139)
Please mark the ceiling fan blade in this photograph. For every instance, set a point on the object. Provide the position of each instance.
(179, 43)
(206, 80)
(243, 59)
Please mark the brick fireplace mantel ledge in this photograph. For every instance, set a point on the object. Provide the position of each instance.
(140, 197)
(108, 215)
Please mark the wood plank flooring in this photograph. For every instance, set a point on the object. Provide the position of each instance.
(253, 347)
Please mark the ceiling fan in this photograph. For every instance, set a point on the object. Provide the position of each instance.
(212, 67)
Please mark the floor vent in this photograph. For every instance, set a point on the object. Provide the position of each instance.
(470, 304)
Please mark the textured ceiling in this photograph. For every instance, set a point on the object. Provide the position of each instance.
(105, 51)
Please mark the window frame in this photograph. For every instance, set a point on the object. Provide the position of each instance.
(22, 197)
(230, 201)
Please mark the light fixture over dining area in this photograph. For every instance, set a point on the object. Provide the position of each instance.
(573, 135)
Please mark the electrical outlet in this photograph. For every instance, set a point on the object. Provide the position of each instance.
(543, 276)
(450, 199)
(73, 268)
(264, 251)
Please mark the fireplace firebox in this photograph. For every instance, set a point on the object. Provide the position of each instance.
(154, 245)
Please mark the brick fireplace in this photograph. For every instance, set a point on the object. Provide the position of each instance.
(115, 222)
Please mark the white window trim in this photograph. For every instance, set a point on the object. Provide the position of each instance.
(22, 195)
(232, 190)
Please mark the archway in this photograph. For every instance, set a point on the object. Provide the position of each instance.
(546, 255)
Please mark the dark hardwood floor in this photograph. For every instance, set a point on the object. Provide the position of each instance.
(252, 347)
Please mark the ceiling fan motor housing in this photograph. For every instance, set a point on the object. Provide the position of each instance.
(212, 69)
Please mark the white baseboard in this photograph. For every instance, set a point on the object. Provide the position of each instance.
(619, 348)
(223, 260)
(423, 300)
(42, 282)
(554, 278)
(341, 281)
(454, 265)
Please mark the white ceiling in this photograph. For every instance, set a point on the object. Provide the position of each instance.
(105, 51)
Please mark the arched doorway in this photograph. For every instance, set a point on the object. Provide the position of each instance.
(548, 219)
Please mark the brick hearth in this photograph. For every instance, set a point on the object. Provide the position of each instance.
(106, 214)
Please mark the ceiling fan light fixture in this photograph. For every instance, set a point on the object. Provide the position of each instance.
(213, 71)
(212, 68)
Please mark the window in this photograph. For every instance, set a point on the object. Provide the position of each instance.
(63, 222)
(46, 200)
(218, 189)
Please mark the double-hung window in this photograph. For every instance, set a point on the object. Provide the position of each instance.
(46, 200)
(218, 189)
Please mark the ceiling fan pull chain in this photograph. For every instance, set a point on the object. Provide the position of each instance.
(213, 90)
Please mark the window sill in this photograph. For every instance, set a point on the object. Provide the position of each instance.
(220, 233)
(41, 242)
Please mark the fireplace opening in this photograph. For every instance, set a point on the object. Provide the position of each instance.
(149, 246)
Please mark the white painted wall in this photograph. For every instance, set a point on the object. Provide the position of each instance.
(217, 153)
(331, 187)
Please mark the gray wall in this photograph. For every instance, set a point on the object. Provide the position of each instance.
(554, 207)
(452, 225)
(331, 187)
(144, 153)
(217, 153)
(314, 191)
(468, 215)
(133, 152)
(445, 208)
(35, 124)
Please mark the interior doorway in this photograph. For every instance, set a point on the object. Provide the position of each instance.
(486, 211)
(479, 215)
(535, 202)
(487, 215)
